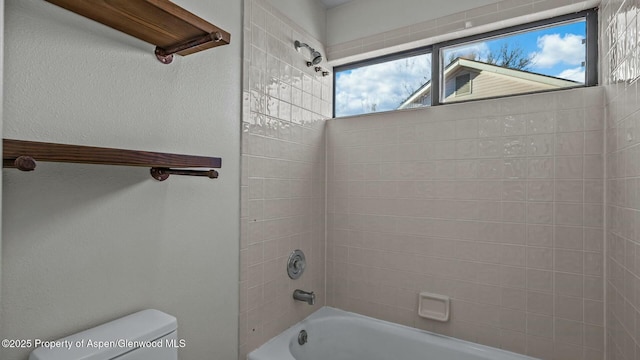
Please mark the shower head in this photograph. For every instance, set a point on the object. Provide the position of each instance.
(316, 57)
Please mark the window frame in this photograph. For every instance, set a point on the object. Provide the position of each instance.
(436, 50)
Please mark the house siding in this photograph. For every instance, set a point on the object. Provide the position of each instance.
(485, 84)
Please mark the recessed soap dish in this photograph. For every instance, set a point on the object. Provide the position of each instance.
(434, 306)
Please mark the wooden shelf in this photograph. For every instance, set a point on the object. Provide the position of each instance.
(159, 22)
(23, 155)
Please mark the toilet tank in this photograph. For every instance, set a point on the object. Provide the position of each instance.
(145, 335)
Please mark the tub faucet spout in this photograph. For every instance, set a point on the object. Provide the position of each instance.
(308, 297)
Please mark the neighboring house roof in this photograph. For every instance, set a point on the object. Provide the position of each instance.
(534, 80)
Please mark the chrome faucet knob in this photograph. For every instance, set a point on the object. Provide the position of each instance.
(296, 264)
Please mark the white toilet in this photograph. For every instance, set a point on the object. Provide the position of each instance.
(145, 335)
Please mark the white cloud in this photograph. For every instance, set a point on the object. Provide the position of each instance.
(383, 85)
(575, 74)
(481, 50)
(555, 49)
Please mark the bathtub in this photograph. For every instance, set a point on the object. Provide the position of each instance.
(334, 334)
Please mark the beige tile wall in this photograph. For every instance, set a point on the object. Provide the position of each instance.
(497, 204)
(283, 174)
(620, 69)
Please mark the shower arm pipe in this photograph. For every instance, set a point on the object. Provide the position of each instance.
(299, 45)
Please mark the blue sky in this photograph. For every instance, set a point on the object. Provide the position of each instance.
(556, 51)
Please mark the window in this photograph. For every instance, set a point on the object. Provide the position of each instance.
(463, 84)
(542, 56)
(382, 84)
(527, 60)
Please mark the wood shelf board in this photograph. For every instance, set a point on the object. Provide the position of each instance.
(52, 152)
(158, 22)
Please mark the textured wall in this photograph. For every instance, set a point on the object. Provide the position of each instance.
(496, 203)
(283, 174)
(1, 112)
(620, 63)
(86, 244)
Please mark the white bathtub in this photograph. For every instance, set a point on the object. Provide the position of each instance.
(339, 335)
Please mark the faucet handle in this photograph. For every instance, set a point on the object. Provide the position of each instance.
(296, 264)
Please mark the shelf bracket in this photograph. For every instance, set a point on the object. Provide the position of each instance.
(24, 163)
(165, 55)
(162, 174)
